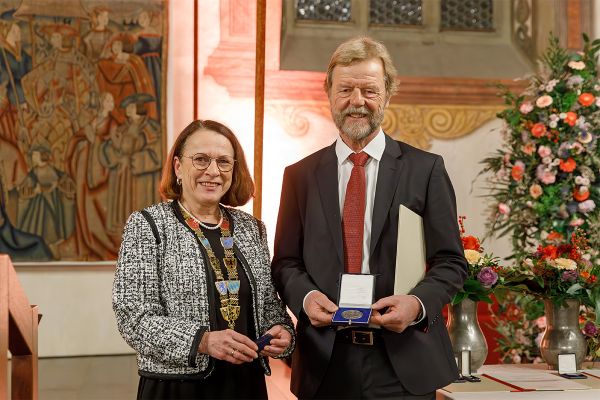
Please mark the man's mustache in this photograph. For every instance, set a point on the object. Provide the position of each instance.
(356, 110)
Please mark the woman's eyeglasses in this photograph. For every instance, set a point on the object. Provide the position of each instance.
(202, 161)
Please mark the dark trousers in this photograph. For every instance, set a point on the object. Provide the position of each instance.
(362, 372)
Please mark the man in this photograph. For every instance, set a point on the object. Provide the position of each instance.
(338, 216)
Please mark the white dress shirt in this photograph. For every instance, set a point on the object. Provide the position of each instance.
(374, 149)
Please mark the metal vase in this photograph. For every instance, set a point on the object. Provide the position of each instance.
(465, 332)
(562, 334)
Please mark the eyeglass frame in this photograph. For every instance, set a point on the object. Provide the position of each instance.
(216, 159)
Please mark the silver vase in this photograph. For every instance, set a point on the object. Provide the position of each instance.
(465, 332)
(562, 334)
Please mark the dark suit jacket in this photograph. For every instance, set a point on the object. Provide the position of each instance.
(309, 255)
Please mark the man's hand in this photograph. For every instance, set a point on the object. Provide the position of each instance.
(319, 309)
(401, 311)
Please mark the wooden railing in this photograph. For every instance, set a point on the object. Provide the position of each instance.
(19, 335)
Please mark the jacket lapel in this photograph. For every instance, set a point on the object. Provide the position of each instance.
(387, 181)
(327, 179)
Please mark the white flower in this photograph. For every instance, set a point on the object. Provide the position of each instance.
(579, 180)
(577, 65)
(550, 85)
(543, 101)
(472, 256)
(553, 124)
(565, 263)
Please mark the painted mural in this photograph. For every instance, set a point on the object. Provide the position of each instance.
(82, 123)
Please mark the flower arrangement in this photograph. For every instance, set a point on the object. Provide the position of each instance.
(520, 323)
(557, 271)
(544, 181)
(483, 270)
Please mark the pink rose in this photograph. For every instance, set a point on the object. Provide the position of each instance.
(544, 151)
(576, 222)
(526, 107)
(528, 148)
(535, 191)
(503, 209)
(544, 175)
(548, 177)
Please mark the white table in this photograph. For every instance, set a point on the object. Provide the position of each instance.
(491, 389)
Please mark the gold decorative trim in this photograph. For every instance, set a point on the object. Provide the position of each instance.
(416, 125)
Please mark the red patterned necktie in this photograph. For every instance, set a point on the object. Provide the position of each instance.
(353, 220)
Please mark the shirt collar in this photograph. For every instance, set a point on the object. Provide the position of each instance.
(374, 148)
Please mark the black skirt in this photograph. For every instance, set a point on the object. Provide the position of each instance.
(227, 381)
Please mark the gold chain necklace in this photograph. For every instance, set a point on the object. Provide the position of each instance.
(228, 289)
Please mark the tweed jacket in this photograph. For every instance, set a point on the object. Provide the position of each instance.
(161, 292)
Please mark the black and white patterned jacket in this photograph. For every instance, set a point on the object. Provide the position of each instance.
(160, 292)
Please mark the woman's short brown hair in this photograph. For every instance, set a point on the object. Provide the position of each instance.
(242, 186)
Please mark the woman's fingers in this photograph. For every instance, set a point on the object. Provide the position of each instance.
(231, 346)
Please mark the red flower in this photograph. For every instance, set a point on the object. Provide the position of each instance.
(471, 243)
(538, 130)
(564, 248)
(517, 172)
(586, 99)
(571, 118)
(550, 252)
(567, 165)
(554, 236)
(578, 196)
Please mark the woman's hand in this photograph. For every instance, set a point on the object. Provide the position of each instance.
(281, 341)
(228, 345)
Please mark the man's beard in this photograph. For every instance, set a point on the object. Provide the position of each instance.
(358, 130)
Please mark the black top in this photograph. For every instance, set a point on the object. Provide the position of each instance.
(244, 324)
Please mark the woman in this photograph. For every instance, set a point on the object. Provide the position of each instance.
(193, 288)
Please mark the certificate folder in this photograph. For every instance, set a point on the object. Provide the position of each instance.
(410, 251)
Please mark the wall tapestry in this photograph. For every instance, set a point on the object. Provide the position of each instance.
(82, 123)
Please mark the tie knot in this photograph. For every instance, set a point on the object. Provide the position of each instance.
(359, 159)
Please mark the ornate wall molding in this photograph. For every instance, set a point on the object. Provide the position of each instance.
(417, 125)
(295, 116)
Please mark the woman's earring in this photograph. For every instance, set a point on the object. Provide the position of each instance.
(178, 181)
